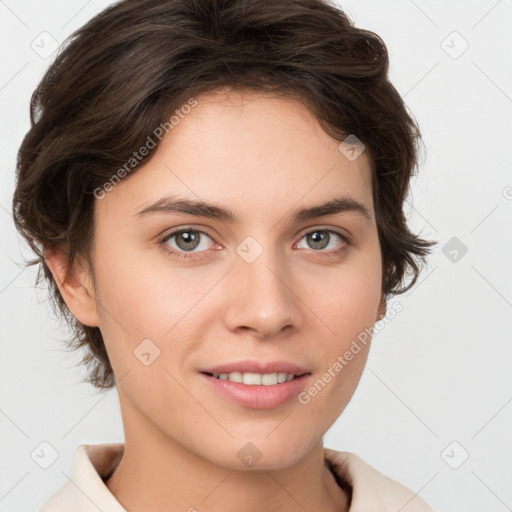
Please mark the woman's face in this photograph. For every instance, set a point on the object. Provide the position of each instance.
(263, 284)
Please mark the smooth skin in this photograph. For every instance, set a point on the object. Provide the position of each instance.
(261, 157)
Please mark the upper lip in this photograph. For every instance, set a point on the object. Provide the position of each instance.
(258, 367)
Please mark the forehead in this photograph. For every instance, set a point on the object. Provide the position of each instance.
(251, 151)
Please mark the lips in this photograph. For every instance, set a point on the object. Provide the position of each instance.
(240, 382)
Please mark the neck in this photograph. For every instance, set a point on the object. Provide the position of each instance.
(158, 474)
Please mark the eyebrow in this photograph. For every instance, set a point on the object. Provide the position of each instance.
(172, 204)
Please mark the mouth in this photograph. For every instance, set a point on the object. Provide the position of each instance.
(257, 385)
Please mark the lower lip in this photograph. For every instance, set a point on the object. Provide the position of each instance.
(259, 397)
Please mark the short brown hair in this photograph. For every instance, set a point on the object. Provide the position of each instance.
(125, 71)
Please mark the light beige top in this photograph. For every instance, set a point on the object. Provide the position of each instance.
(93, 464)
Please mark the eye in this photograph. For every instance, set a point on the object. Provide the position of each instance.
(183, 242)
(320, 239)
(189, 243)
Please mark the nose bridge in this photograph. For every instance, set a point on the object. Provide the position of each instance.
(263, 298)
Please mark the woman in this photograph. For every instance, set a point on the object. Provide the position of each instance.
(214, 191)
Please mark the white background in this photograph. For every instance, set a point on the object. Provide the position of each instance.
(438, 373)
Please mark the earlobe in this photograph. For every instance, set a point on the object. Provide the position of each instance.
(75, 285)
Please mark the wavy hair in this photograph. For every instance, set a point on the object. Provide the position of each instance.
(124, 72)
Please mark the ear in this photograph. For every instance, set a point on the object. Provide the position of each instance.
(382, 308)
(75, 285)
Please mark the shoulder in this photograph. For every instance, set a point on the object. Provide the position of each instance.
(371, 490)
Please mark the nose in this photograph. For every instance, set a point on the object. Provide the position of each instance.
(262, 299)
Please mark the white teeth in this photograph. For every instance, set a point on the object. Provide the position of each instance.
(235, 377)
(253, 379)
(256, 379)
(269, 379)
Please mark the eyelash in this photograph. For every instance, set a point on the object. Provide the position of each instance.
(189, 256)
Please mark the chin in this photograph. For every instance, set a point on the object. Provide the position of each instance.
(261, 453)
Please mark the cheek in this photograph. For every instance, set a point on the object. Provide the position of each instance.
(143, 298)
(347, 305)
(348, 299)
(347, 311)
